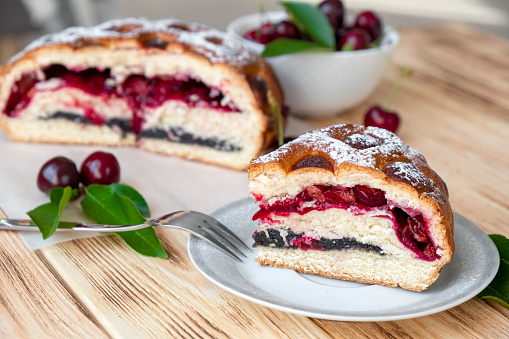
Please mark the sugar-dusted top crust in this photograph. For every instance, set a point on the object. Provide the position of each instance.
(217, 46)
(375, 150)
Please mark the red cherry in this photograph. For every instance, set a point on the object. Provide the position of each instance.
(430, 251)
(58, 172)
(333, 10)
(340, 195)
(251, 35)
(378, 117)
(100, 168)
(353, 39)
(261, 35)
(93, 81)
(371, 197)
(418, 228)
(136, 86)
(285, 29)
(370, 22)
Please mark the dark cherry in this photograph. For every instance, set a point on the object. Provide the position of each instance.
(339, 33)
(378, 117)
(334, 11)
(100, 168)
(58, 172)
(339, 194)
(369, 21)
(371, 197)
(136, 86)
(93, 81)
(354, 39)
(418, 228)
(20, 94)
(430, 251)
(408, 240)
(285, 29)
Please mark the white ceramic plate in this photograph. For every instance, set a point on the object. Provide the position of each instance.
(472, 268)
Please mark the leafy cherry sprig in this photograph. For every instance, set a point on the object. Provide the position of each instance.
(115, 204)
(309, 19)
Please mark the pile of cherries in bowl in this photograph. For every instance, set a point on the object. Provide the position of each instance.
(366, 29)
(98, 168)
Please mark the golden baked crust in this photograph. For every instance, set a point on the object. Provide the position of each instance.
(150, 47)
(267, 257)
(349, 155)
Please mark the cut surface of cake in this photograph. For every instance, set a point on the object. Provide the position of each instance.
(353, 203)
(165, 86)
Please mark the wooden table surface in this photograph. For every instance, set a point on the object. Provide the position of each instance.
(454, 109)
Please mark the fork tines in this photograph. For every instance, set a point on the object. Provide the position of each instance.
(207, 228)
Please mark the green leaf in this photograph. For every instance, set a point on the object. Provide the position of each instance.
(143, 242)
(47, 216)
(135, 197)
(502, 244)
(103, 204)
(289, 46)
(313, 21)
(106, 205)
(498, 289)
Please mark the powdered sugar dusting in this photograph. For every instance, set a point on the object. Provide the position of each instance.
(217, 46)
(338, 150)
(409, 173)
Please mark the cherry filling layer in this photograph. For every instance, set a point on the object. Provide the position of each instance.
(274, 237)
(139, 91)
(411, 230)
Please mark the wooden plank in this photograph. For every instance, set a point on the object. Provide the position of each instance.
(34, 303)
(138, 297)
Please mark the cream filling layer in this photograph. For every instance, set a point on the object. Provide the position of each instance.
(374, 228)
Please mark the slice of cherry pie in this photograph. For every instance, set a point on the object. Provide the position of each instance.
(354, 203)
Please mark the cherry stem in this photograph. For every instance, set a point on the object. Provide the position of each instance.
(403, 73)
(261, 6)
(263, 17)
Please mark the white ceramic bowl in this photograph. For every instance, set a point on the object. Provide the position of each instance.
(318, 85)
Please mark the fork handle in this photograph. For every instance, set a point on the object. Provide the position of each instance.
(28, 225)
(17, 225)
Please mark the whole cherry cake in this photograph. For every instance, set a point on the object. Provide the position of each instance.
(353, 203)
(165, 86)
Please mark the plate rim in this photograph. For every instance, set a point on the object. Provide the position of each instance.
(355, 318)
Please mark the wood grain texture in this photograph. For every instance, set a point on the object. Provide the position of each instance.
(138, 297)
(34, 303)
(454, 109)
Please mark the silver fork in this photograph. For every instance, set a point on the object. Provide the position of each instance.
(199, 224)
